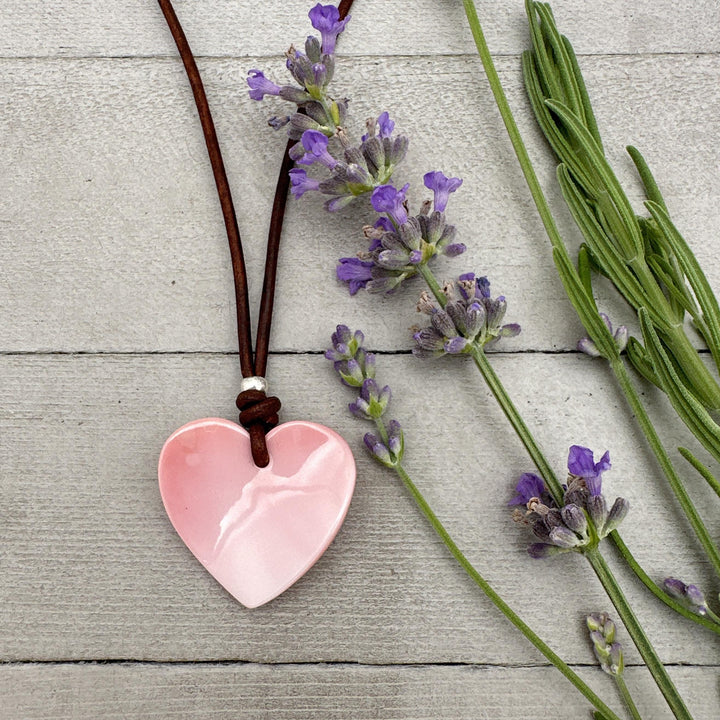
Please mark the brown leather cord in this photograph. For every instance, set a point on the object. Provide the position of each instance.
(258, 413)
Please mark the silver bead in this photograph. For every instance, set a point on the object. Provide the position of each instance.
(253, 383)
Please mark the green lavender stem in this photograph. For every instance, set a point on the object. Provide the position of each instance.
(627, 697)
(504, 608)
(637, 634)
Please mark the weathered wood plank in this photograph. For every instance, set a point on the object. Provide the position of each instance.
(138, 692)
(112, 239)
(234, 27)
(92, 569)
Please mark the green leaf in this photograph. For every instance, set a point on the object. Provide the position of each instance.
(688, 407)
(558, 142)
(709, 324)
(640, 360)
(598, 163)
(702, 469)
(648, 180)
(585, 269)
(605, 253)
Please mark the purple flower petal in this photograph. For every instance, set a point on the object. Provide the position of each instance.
(385, 125)
(300, 183)
(529, 486)
(582, 463)
(260, 85)
(326, 19)
(316, 145)
(442, 187)
(355, 272)
(389, 200)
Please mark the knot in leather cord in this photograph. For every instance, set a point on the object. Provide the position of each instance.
(258, 414)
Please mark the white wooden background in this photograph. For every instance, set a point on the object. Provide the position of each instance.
(117, 327)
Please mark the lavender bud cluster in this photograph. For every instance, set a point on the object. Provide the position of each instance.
(583, 519)
(471, 317)
(400, 244)
(356, 368)
(608, 651)
(352, 169)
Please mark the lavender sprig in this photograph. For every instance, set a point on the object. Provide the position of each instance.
(351, 169)
(470, 317)
(347, 347)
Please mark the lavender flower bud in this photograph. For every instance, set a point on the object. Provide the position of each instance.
(374, 154)
(396, 440)
(293, 94)
(620, 338)
(351, 373)
(608, 652)
(441, 321)
(456, 345)
(564, 537)
(378, 449)
(395, 150)
(278, 122)
(454, 249)
(617, 514)
(312, 48)
(597, 509)
(689, 595)
(540, 551)
(574, 518)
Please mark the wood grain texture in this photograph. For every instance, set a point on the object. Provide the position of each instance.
(116, 328)
(94, 571)
(112, 238)
(240, 28)
(138, 692)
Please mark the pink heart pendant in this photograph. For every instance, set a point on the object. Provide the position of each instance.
(256, 530)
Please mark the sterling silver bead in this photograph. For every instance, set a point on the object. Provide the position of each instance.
(253, 383)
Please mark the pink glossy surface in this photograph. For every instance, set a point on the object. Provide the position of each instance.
(256, 530)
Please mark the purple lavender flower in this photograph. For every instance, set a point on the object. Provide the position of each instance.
(391, 201)
(260, 86)
(529, 486)
(355, 272)
(351, 361)
(372, 402)
(385, 126)
(378, 449)
(316, 146)
(442, 187)
(582, 464)
(326, 20)
(300, 183)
